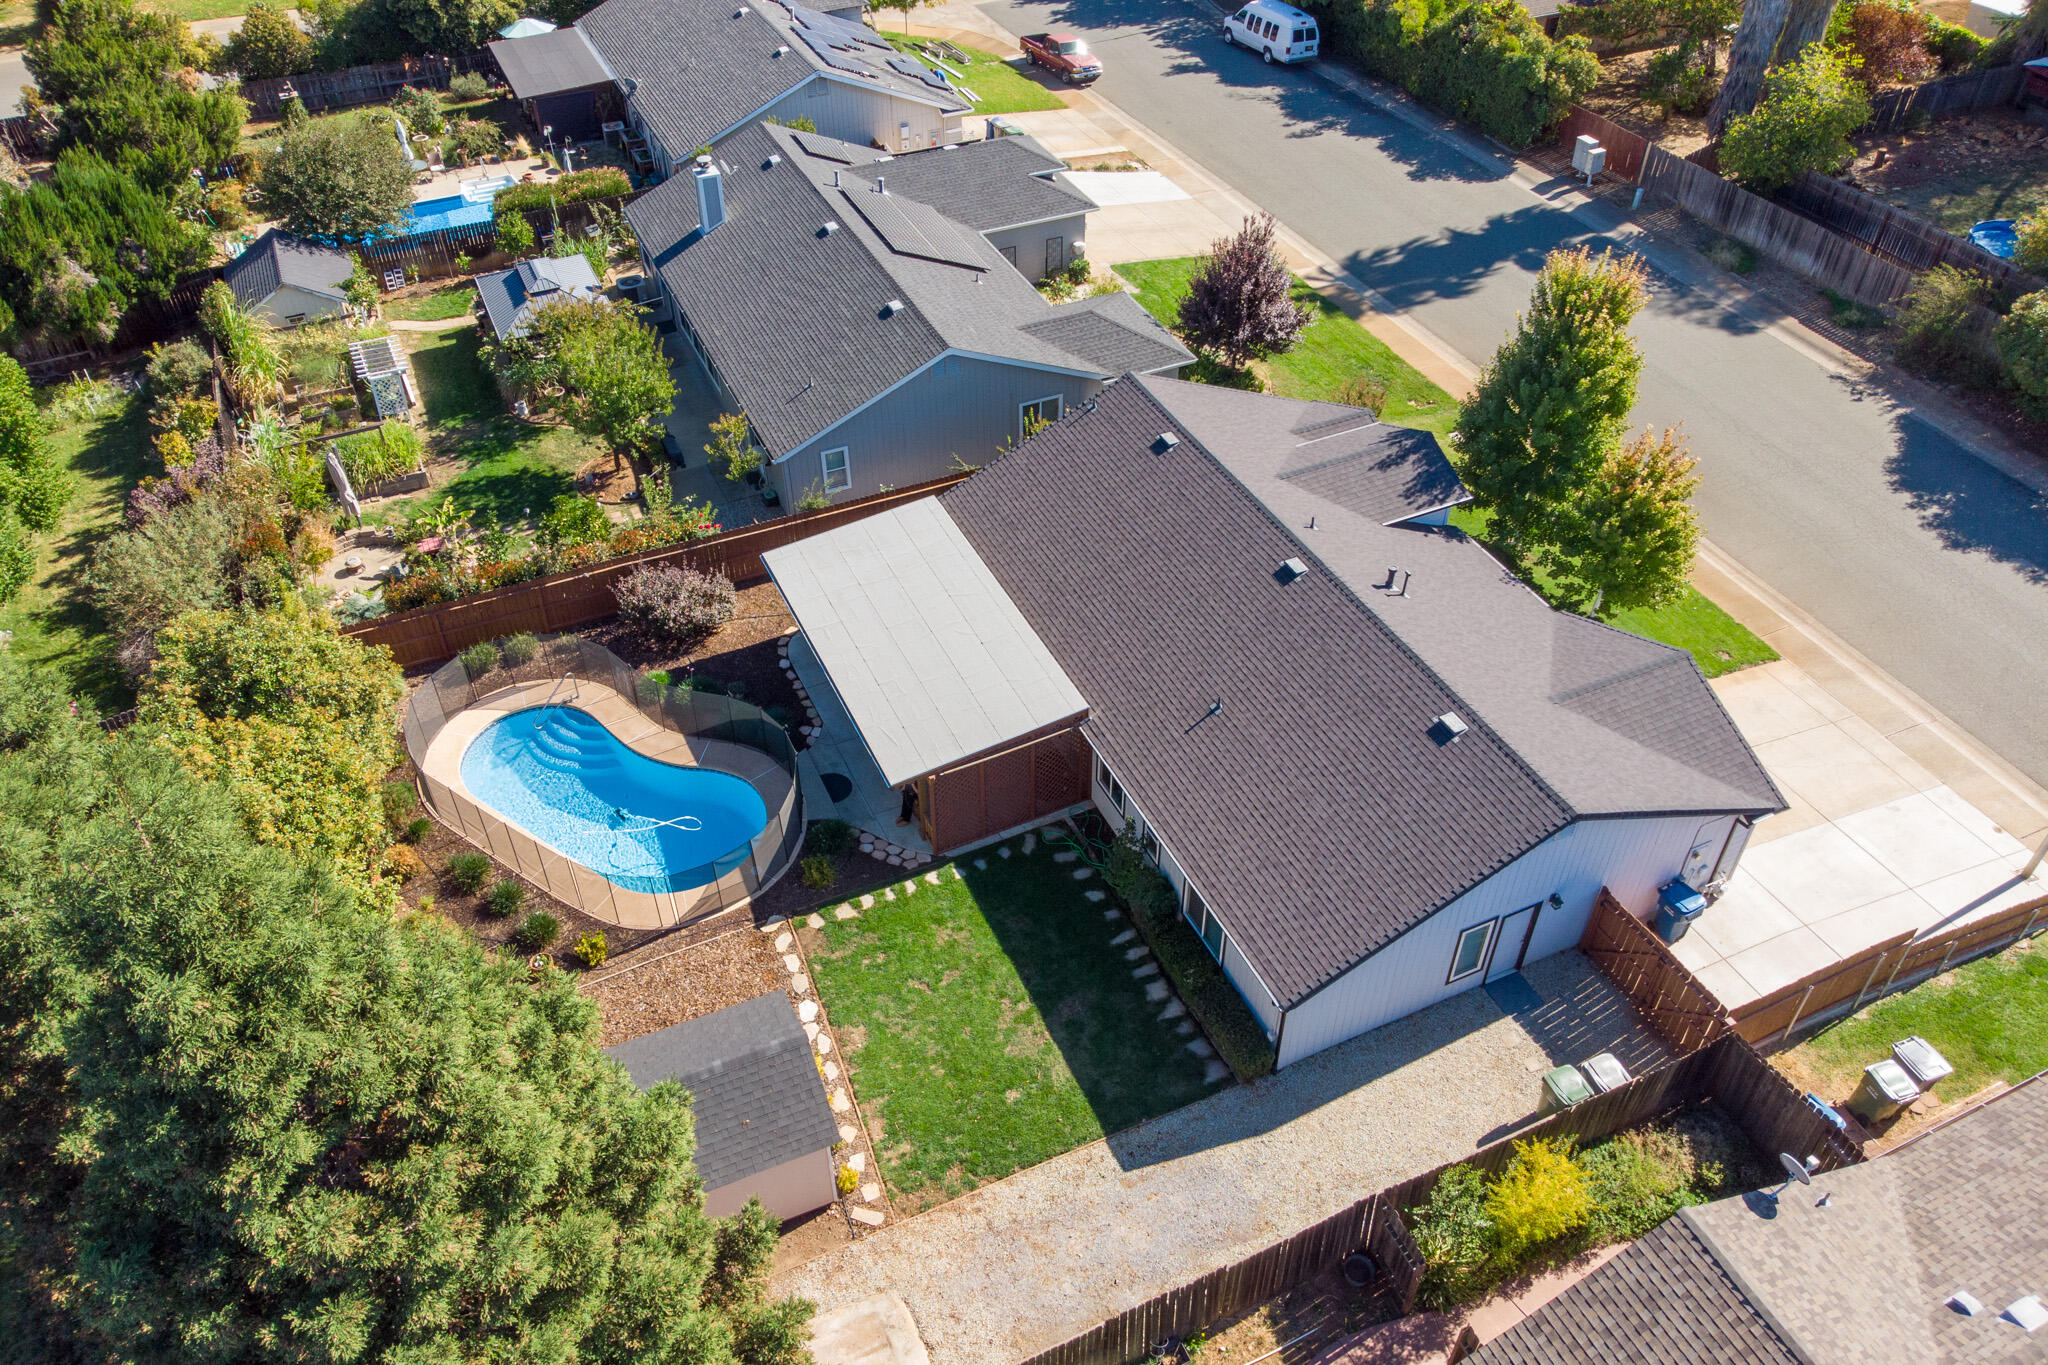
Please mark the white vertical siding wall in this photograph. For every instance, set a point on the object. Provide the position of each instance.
(1632, 858)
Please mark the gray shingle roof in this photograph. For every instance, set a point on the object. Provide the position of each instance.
(990, 184)
(512, 296)
(1313, 811)
(276, 259)
(793, 315)
(700, 67)
(756, 1092)
(1864, 1279)
(550, 63)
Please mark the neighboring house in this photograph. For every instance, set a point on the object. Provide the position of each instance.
(870, 339)
(691, 73)
(764, 1128)
(1869, 1276)
(512, 297)
(1377, 769)
(285, 280)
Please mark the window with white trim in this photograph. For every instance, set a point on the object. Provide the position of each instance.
(838, 470)
(1470, 954)
(1040, 412)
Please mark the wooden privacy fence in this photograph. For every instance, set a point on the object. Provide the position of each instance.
(564, 601)
(1987, 89)
(1679, 1009)
(1846, 986)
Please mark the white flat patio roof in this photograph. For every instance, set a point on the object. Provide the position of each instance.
(931, 658)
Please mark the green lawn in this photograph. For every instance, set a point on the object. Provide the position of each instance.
(1990, 1019)
(1335, 351)
(1001, 82)
(52, 619)
(510, 469)
(453, 301)
(989, 1024)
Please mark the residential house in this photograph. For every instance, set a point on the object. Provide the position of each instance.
(1376, 768)
(871, 339)
(764, 1128)
(512, 297)
(690, 73)
(285, 280)
(1930, 1252)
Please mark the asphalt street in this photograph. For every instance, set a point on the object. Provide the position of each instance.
(1870, 518)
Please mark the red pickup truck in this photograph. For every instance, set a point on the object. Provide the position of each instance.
(1064, 55)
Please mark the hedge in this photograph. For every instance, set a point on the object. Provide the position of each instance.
(1484, 62)
(599, 182)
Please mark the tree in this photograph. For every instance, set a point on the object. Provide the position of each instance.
(2022, 338)
(1802, 124)
(244, 1116)
(1552, 402)
(268, 44)
(32, 482)
(1240, 304)
(601, 371)
(1628, 538)
(346, 180)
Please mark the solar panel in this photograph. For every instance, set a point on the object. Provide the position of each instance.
(912, 229)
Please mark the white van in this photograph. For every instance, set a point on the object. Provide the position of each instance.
(1281, 33)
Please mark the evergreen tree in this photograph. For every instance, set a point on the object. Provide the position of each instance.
(1554, 400)
(244, 1117)
(342, 181)
(32, 483)
(1240, 305)
(1629, 538)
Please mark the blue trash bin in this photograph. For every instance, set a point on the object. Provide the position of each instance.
(1678, 905)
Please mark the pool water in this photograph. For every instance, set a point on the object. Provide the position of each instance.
(435, 215)
(558, 774)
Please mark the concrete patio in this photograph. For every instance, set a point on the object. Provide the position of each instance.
(1873, 845)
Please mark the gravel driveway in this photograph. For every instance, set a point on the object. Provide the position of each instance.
(1026, 1263)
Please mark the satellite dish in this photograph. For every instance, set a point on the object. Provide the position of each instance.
(1795, 1168)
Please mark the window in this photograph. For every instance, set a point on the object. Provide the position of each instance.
(1471, 952)
(838, 471)
(1041, 412)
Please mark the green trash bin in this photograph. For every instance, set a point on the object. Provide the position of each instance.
(1564, 1087)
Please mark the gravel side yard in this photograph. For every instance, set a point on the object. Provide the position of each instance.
(1027, 1262)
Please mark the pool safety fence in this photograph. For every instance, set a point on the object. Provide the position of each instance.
(726, 734)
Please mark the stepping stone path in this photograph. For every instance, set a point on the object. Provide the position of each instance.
(1082, 874)
(782, 942)
(1133, 954)
(1098, 896)
(845, 912)
(870, 1192)
(1214, 1072)
(807, 1010)
(1065, 855)
(847, 1132)
(1200, 1047)
(816, 921)
(800, 983)
(794, 963)
(1149, 969)
(1173, 1011)
(867, 1216)
(1156, 991)
(1125, 937)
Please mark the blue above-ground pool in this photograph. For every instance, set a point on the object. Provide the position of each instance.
(558, 774)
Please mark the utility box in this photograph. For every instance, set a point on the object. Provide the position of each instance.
(1886, 1089)
(1589, 158)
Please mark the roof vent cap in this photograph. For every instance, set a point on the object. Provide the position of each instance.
(1290, 569)
(892, 308)
(1167, 441)
(1448, 728)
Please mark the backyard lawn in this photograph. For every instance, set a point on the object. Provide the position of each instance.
(1990, 1019)
(990, 1024)
(1335, 351)
(1001, 82)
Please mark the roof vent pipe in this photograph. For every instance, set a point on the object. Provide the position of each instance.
(710, 196)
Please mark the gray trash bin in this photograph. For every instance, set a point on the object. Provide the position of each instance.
(1886, 1089)
(1921, 1061)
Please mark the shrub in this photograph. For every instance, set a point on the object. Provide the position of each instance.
(539, 931)
(402, 863)
(673, 605)
(830, 838)
(399, 800)
(469, 87)
(467, 872)
(1945, 329)
(417, 829)
(817, 872)
(479, 659)
(1455, 1235)
(519, 649)
(1542, 1195)
(591, 949)
(504, 897)
(2022, 338)
(1801, 124)
(1636, 1182)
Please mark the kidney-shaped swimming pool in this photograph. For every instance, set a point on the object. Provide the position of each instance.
(558, 774)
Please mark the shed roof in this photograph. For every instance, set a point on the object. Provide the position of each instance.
(512, 296)
(277, 259)
(550, 63)
(931, 658)
(756, 1093)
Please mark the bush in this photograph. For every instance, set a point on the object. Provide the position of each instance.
(479, 659)
(538, 931)
(399, 801)
(469, 87)
(831, 838)
(675, 606)
(402, 863)
(1542, 1195)
(1945, 328)
(591, 949)
(2022, 339)
(504, 897)
(1801, 124)
(467, 872)
(417, 829)
(599, 182)
(1455, 1235)
(1636, 1182)
(817, 872)
(520, 649)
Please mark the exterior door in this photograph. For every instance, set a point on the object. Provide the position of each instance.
(1511, 944)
